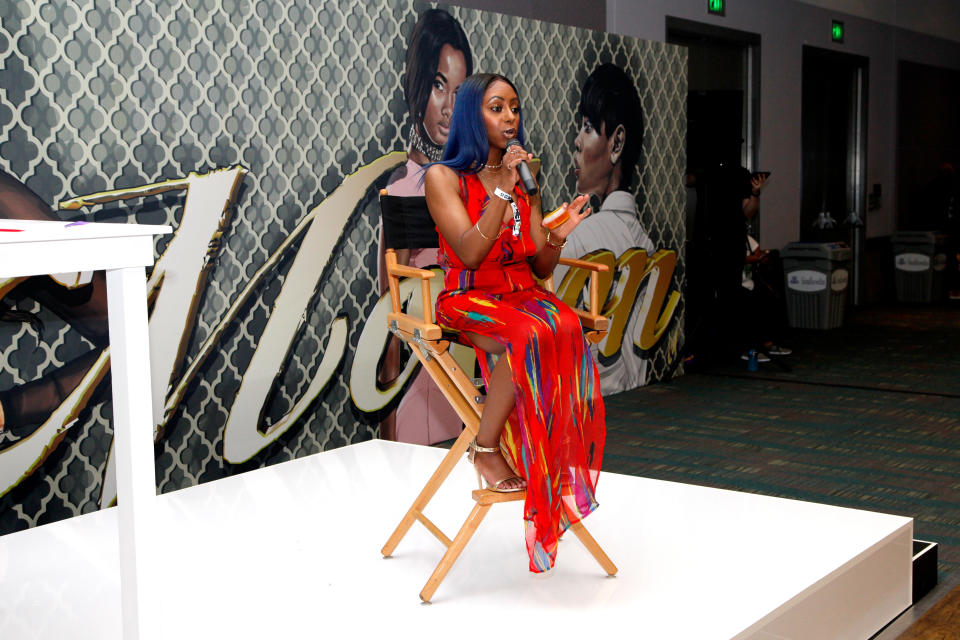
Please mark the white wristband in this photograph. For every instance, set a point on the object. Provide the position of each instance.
(503, 195)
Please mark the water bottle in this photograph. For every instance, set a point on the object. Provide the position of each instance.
(752, 363)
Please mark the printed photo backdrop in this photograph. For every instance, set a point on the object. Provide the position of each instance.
(262, 131)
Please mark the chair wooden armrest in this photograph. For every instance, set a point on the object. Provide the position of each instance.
(394, 272)
(591, 319)
(583, 264)
(403, 271)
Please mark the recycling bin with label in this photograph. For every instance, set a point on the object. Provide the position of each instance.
(920, 263)
(817, 276)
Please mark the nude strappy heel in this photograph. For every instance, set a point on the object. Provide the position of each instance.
(495, 486)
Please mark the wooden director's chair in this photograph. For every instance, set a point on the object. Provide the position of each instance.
(407, 224)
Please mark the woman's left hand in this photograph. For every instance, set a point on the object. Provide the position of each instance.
(576, 212)
(514, 155)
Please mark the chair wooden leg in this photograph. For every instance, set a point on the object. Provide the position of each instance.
(453, 552)
(584, 536)
(427, 493)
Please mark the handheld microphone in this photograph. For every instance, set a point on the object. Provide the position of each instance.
(529, 185)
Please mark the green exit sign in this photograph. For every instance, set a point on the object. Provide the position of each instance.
(717, 7)
(836, 31)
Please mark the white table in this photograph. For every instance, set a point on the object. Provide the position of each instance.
(35, 248)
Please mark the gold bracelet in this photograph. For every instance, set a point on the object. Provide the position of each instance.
(555, 246)
(477, 225)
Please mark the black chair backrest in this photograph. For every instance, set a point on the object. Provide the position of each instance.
(407, 223)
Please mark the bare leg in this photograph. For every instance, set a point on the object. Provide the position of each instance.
(28, 405)
(85, 309)
(496, 409)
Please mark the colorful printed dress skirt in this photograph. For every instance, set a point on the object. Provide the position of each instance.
(556, 432)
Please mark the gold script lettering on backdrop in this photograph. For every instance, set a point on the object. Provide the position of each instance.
(206, 213)
(627, 273)
(194, 245)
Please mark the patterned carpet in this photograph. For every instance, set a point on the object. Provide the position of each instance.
(868, 417)
(910, 349)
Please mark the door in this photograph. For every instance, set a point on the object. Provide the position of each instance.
(832, 140)
(833, 126)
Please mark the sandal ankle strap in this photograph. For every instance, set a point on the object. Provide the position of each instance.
(476, 447)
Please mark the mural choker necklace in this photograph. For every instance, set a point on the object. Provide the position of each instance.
(425, 145)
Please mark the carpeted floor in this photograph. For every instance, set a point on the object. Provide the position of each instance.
(868, 417)
(911, 350)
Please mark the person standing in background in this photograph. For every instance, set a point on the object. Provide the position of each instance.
(729, 197)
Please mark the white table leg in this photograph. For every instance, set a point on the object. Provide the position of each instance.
(133, 448)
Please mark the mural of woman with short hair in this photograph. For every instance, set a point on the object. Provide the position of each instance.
(607, 149)
(438, 60)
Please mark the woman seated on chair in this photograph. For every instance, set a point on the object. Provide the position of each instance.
(543, 404)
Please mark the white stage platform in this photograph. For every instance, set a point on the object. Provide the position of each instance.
(293, 551)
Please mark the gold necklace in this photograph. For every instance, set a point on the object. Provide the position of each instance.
(485, 181)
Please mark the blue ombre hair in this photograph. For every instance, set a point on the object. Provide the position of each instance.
(467, 143)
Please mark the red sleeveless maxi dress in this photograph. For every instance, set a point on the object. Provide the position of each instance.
(556, 432)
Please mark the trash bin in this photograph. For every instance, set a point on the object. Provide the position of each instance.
(816, 275)
(920, 262)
